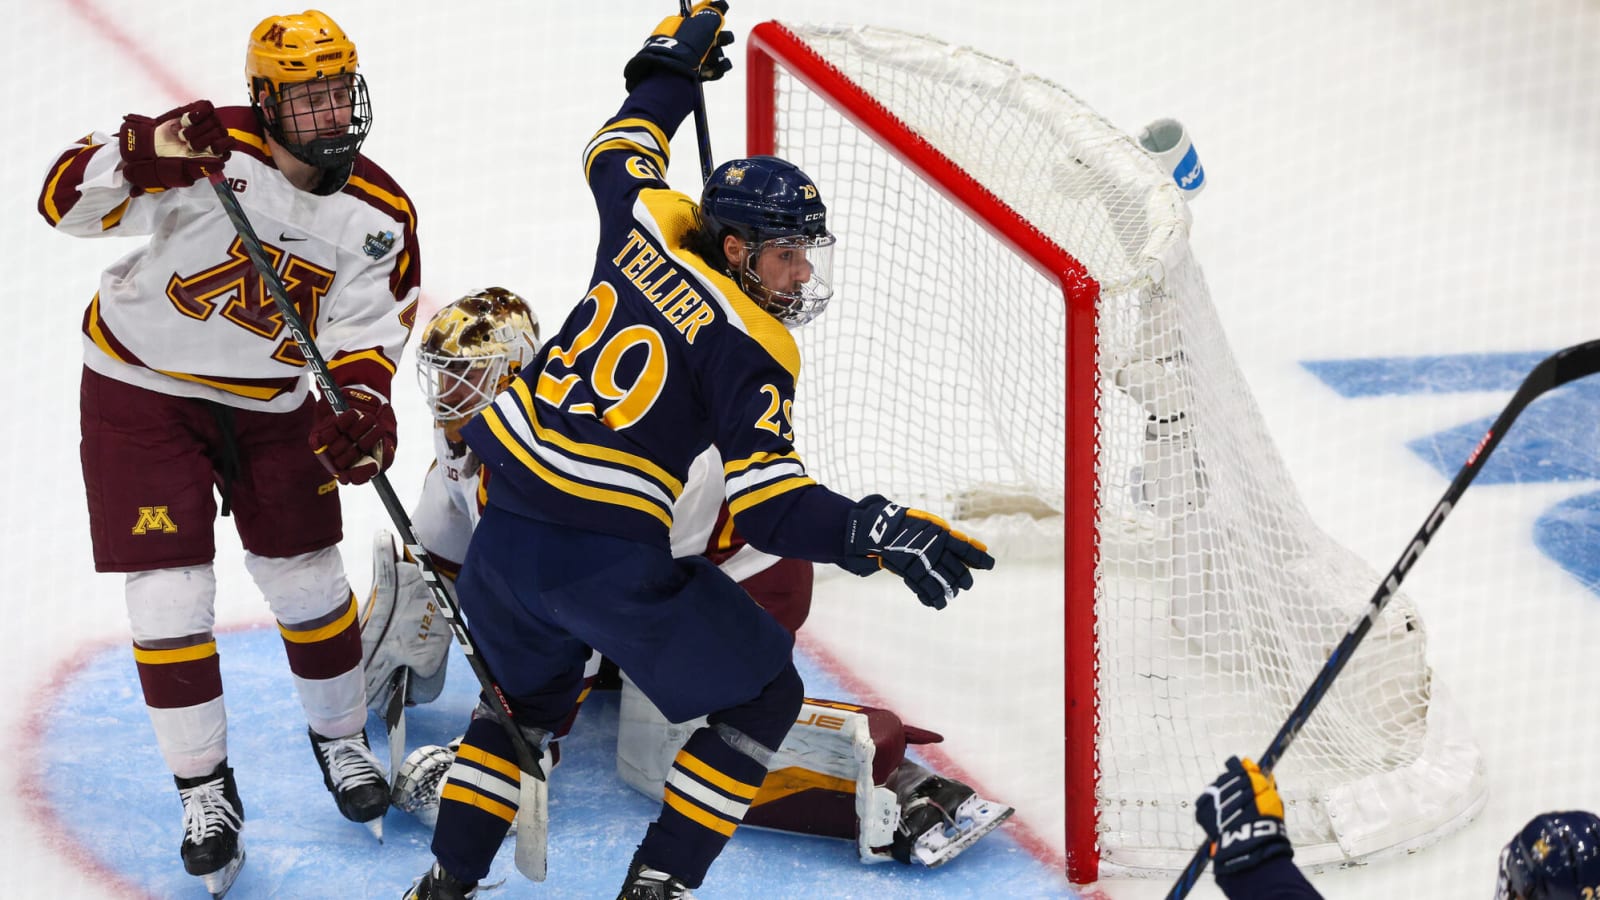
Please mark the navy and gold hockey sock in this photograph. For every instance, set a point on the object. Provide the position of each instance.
(478, 801)
(708, 791)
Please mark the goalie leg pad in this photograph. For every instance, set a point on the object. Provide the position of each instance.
(401, 627)
(827, 777)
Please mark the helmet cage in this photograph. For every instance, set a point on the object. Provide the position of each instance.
(301, 102)
(308, 48)
(457, 387)
(471, 350)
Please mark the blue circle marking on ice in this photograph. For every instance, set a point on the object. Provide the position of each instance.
(94, 732)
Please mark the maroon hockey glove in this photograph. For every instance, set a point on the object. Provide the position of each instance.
(357, 444)
(934, 560)
(1243, 816)
(691, 46)
(175, 150)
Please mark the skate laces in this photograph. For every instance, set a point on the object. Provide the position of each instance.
(206, 811)
(350, 761)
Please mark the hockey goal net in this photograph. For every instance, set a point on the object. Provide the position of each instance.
(1024, 344)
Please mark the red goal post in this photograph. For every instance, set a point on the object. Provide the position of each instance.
(771, 43)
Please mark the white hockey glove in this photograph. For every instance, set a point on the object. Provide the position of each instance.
(401, 627)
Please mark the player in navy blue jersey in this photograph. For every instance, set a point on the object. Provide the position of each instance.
(680, 343)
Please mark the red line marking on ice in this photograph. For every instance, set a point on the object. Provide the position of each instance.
(29, 745)
(1031, 841)
(36, 794)
(109, 30)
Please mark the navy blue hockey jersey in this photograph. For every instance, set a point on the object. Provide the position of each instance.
(661, 358)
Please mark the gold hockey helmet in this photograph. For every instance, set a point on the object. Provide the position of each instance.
(472, 348)
(293, 49)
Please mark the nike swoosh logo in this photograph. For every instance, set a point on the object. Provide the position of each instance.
(286, 238)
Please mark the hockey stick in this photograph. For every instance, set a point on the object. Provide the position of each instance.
(1574, 362)
(533, 811)
(702, 127)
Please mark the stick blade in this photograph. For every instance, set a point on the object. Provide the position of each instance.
(533, 827)
(394, 720)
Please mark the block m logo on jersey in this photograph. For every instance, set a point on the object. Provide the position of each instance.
(235, 291)
(154, 518)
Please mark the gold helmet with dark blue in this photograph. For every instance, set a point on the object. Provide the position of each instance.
(471, 349)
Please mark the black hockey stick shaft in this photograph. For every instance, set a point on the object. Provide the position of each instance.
(1567, 365)
(527, 757)
(702, 126)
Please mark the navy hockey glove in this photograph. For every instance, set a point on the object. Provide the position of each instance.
(934, 559)
(1243, 817)
(357, 444)
(176, 149)
(691, 47)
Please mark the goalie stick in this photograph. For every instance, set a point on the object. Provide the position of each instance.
(533, 811)
(1570, 364)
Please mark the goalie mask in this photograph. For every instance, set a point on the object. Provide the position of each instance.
(778, 216)
(305, 88)
(1554, 857)
(472, 348)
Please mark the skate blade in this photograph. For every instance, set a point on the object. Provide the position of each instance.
(376, 827)
(221, 880)
(974, 819)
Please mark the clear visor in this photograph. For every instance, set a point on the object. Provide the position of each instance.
(457, 387)
(791, 277)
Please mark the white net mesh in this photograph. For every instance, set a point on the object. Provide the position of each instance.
(939, 379)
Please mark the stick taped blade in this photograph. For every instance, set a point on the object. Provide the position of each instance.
(533, 827)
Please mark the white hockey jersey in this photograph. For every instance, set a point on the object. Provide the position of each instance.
(187, 314)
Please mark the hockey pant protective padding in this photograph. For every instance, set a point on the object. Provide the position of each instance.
(687, 635)
(715, 777)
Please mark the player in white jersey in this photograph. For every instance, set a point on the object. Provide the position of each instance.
(192, 382)
(842, 770)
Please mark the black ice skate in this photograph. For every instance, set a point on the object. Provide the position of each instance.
(212, 817)
(440, 885)
(351, 773)
(939, 818)
(645, 883)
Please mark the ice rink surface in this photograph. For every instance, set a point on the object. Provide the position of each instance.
(1400, 217)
